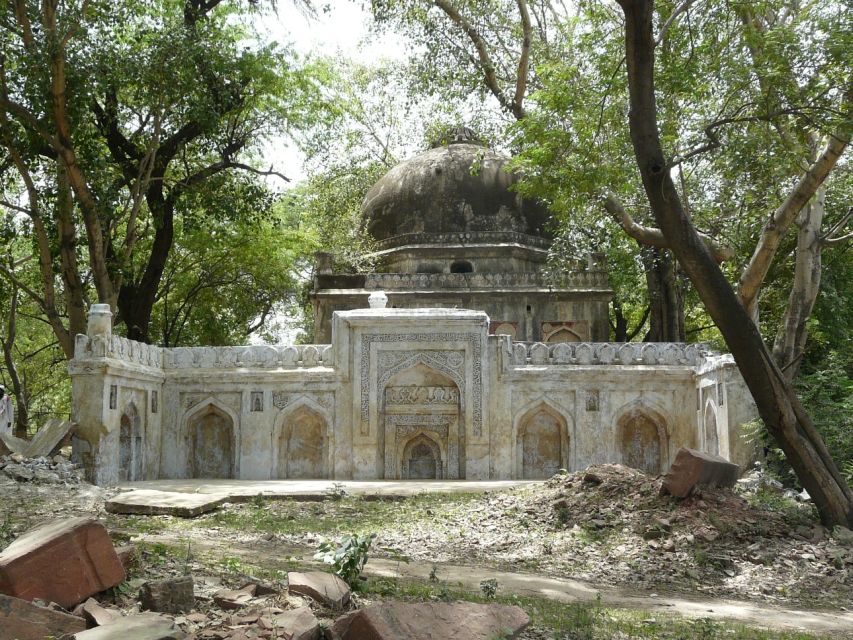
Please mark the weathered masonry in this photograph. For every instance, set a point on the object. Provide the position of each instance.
(399, 393)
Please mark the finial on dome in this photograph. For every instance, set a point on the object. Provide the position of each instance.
(456, 135)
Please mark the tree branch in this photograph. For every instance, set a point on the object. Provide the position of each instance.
(486, 63)
(654, 237)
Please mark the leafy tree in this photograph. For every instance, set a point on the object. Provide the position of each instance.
(115, 118)
(774, 395)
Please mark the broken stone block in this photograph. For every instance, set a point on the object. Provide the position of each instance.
(127, 556)
(297, 624)
(231, 599)
(49, 438)
(145, 626)
(11, 444)
(427, 620)
(95, 614)
(173, 595)
(18, 472)
(65, 561)
(325, 588)
(149, 502)
(22, 620)
(695, 468)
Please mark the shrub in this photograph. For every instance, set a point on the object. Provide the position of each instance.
(347, 556)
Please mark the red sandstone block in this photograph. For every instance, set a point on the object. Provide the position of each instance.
(65, 561)
(693, 468)
(20, 620)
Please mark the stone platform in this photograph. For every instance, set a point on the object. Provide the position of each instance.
(243, 490)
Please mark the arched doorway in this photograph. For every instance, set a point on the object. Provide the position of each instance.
(302, 445)
(712, 440)
(422, 459)
(130, 445)
(540, 444)
(212, 434)
(421, 417)
(642, 441)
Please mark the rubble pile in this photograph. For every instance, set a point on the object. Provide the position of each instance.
(44, 470)
(65, 579)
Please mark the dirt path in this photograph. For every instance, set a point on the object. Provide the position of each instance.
(839, 624)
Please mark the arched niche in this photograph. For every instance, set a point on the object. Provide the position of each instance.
(642, 439)
(130, 444)
(542, 442)
(420, 400)
(212, 438)
(711, 436)
(300, 442)
(421, 459)
(563, 334)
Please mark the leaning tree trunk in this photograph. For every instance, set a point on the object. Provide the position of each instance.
(22, 414)
(790, 341)
(778, 405)
(666, 306)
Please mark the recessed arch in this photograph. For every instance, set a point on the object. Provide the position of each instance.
(461, 266)
(642, 437)
(211, 431)
(300, 441)
(541, 440)
(421, 458)
(711, 437)
(130, 444)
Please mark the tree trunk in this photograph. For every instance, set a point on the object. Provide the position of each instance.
(666, 315)
(75, 301)
(791, 339)
(136, 299)
(22, 418)
(778, 405)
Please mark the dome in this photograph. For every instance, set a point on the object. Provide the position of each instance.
(459, 185)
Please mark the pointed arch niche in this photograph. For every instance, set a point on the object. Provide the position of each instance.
(642, 438)
(423, 435)
(301, 441)
(211, 429)
(130, 444)
(541, 441)
(711, 439)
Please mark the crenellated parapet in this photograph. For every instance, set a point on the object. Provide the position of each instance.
(250, 357)
(608, 353)
(118, 348)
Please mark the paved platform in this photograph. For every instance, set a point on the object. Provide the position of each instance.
(242, 490)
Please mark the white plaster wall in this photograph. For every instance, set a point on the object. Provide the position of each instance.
(499, 382)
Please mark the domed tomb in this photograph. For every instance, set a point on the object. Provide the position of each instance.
(452, 232)
(458, 185)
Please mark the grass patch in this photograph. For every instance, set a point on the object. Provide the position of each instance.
(337, 516)
(580, 621)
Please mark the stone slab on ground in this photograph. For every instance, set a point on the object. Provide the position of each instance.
(695, 468)
(48, 438)
(325, 588)
(172, 595)
(64, 561)
(231, 599)
(11, 444)
(297, 624)
(22, 620)
(145, 626)
(149, 502)
(429, 620)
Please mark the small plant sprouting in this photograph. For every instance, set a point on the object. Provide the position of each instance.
(347, 556)
(489, 588)
(336, 492)
(433, 574)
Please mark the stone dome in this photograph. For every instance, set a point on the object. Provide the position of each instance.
(458, 185)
